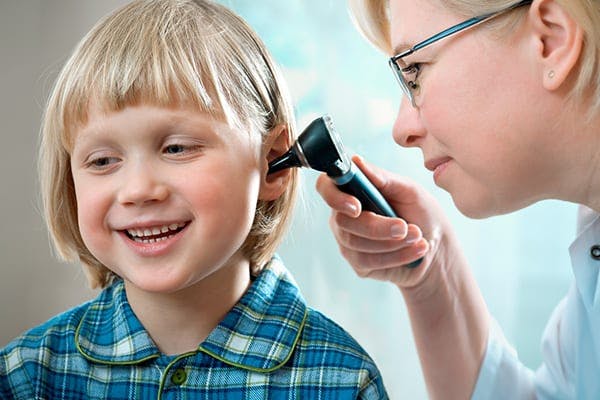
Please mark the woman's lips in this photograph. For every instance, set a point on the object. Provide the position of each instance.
(437, 165)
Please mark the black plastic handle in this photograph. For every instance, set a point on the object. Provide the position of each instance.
(354, 182)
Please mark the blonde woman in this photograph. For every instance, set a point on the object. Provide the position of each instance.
(503, 99)
(154, 158)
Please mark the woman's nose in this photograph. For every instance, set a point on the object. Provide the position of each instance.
(142, 185)
(408, 130)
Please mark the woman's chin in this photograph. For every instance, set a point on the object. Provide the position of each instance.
(475, 208)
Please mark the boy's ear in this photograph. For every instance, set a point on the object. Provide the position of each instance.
(559, 40)
(276, 144)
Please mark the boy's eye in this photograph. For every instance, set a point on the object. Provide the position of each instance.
(181, 150)
(175, 149)
(102, 162)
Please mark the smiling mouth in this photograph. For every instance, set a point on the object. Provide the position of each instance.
(155, 233)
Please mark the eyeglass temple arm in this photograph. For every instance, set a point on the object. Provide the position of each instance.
(464, 25)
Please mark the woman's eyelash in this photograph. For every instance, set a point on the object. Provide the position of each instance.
(412, 68)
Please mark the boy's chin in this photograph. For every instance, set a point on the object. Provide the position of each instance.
(159, 283)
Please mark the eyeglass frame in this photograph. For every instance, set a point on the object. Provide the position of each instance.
(398, 71)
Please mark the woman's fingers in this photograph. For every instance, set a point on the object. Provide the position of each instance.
(367, 263)
(388, 266)
(366, 241)
(373, 226)
(381, 247)
(336, 199)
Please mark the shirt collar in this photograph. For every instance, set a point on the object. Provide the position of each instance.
(585, 268)
(262, 330)
(259, 333)
(110, 333)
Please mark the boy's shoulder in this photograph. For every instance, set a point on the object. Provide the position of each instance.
(53, 333)
(45, 354)
(25, 358)
(315, 345)
(321, 329)
(318, 330)
(51, 340)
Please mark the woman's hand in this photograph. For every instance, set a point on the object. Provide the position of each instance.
(447, 312)
(380, 247)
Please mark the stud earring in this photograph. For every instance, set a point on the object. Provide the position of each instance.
(551, 74)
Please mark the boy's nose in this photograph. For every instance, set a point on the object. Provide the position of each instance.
(142, 185)
(408, 130)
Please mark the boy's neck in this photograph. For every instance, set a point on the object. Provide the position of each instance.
(178, 322)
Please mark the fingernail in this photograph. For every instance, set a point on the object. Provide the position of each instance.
(398, 231)
(412, 239)
(351, 208)
(423, 250)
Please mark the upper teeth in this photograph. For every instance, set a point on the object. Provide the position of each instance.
(155, 230)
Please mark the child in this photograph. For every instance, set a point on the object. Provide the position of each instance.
(154, 156)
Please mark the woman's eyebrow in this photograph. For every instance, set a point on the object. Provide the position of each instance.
(401, 47)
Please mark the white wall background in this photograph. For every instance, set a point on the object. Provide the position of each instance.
(520, 260)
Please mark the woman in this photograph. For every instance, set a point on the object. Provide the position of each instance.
(503, 99)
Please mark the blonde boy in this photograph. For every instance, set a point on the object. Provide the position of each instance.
(154, 155)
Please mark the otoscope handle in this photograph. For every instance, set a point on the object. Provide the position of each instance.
(354, 182)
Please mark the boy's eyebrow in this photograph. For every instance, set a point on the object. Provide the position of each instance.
(86, 130)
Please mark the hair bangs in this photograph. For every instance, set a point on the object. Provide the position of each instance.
(111, 71)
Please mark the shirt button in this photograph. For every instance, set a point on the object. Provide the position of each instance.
(179, 376)
(595, 252)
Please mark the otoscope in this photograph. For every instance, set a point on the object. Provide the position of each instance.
(319, 147)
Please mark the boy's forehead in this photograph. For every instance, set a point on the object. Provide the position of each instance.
(149, 118)
(100, 114)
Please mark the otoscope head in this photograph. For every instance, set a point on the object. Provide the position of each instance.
(318, 147)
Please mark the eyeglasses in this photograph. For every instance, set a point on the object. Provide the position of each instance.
(407, 74)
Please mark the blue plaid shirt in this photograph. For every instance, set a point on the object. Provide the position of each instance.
(269, 346)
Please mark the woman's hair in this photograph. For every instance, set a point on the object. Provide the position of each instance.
(164, 53)
(373, 19)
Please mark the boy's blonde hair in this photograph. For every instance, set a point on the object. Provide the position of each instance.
(373, 19)
(164, 52)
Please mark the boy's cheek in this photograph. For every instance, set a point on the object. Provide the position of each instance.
(92, 216)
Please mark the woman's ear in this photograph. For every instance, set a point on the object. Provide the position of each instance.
(276, 144)
(559, 41)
